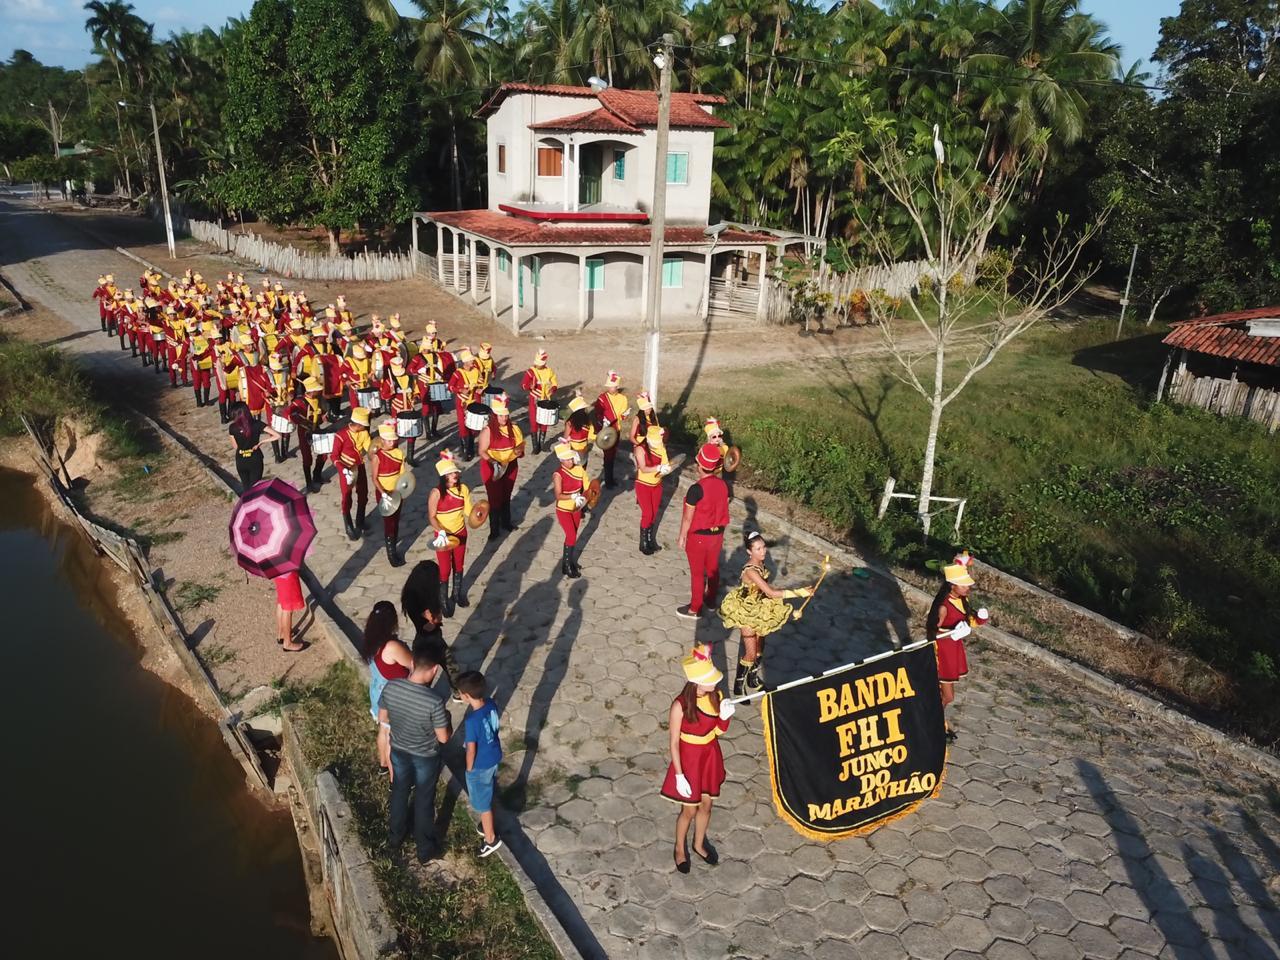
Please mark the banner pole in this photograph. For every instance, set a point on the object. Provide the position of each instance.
(827, 673)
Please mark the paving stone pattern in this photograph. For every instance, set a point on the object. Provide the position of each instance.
(1067, 827)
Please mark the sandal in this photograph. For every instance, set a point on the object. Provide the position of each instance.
(299, 649)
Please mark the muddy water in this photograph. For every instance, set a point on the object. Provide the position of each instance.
(128, 829)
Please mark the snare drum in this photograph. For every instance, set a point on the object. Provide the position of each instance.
(438, 392)
(491, 392)
(371, 400)
(157, 337)
(409, 425)
(477, 416)
(281, 424)
(322, 442)
(548, 413)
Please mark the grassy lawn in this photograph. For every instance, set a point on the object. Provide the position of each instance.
(1165, 518)
(485, 914)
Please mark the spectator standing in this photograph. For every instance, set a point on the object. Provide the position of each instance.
(413, 725)
(247, 437)
(484, 753)
(388, 658)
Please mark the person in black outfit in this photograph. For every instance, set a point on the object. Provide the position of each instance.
(420, 603)
(247, 437)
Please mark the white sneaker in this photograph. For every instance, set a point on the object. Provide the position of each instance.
(487, 848)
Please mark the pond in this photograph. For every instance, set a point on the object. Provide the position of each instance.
(129, 827)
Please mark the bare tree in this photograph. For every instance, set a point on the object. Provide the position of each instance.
(970, 311)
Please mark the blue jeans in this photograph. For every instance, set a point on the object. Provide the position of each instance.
(419, 774)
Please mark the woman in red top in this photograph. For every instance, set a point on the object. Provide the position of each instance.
(570, 485)
(699, 715)
(948, 623)
(388, 658)
(501, 445)
(650, 457)
(448, 507)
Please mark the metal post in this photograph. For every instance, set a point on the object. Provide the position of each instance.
(1124, 301)
(164, 186)
(658, 221)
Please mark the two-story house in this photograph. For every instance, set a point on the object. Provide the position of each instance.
(566, 236)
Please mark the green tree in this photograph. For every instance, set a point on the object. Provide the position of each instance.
(319, 118)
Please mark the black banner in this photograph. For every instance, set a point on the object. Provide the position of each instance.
(857, 746)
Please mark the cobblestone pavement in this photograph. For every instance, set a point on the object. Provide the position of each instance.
(1067, 827)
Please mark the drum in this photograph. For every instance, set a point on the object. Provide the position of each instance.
(477, 416)
(157, 337)
(322, 442)
(409, 425)
(389, 504)
(438, 392)
(371, 400)
(607, 438)
(281, 424)
(548, 413)
(490, 392)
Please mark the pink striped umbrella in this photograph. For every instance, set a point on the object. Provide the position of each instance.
(271, 529)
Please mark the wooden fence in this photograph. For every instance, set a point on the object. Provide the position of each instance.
(1227, 397)
(827, 296)
(280, 260)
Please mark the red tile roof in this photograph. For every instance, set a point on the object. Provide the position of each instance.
(506, 230)
(598, 120)
(640, 108)
(1223, 335)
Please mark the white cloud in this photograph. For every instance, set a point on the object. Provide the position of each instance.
(28, 11)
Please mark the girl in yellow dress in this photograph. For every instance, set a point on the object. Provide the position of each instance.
(757, 610)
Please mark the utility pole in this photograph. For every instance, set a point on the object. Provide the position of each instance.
(1124, 301)
(55, 131)
(658, 220)
(164, 187)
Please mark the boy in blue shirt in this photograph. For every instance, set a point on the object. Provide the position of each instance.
(484, 752)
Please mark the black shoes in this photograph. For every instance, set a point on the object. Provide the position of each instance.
(393, 557)
(460, 591)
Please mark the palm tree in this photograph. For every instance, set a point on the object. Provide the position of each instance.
(123, 39)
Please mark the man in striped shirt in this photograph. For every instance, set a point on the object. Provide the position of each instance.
(412, 726)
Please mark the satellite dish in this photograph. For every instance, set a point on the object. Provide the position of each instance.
(597, 84)
(715, 229)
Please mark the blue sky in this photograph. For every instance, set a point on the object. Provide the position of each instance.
(54, 29)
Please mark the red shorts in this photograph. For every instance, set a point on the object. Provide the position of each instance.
(289, 592)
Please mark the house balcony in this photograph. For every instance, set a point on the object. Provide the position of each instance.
(574, 213)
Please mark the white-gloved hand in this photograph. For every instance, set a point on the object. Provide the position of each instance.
(441, 540)
(682, 786)
(727, 709)
(984, 613)
(577, 459)
(961, 630)
(664, 469)
(579, 501)
(498, 470)
(349, 476)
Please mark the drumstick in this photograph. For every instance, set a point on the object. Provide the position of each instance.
(826, 565)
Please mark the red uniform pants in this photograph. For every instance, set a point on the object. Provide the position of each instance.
(361, 485)
(304, 445)
(201, 378)
(461, 410)
(452, 559)
(570, 521)
(534, 425)
(391, 524)
(499, 490)
(649, 496)
(703, 551)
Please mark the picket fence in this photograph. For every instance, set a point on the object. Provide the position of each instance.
(783, 300)
(284, 261)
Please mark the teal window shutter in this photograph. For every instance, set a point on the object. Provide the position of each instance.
(502, 261)
(619, 165)
(677, 168)
(595, 274)
(673, 272)
(535, 271)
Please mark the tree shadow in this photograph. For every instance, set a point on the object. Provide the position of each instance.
(1136, 361)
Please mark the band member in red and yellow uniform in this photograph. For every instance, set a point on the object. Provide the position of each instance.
(399, 395)
(579, 430)
(699, 716)
(467, 387)
(448, 507)
(570, 484)
(948, 623)
(540, 384)
(179, 346)
(484, 363)
(330, 376)
(200, 362)
(278, 401)
(307, 415)
(388, 466)
(350, 449)
(226, 373)
(645, 418)
(431, 366)
(715, 434)
(650, 459)
(154, 335)
(702, 524)
(121, 318)
(356, 373)
(103, 296)
(611, 409)
(501, 447)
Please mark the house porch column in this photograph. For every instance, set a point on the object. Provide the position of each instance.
(582, 290)
(764, 282)
(471, 271)
(706, 285)
(515, 293)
